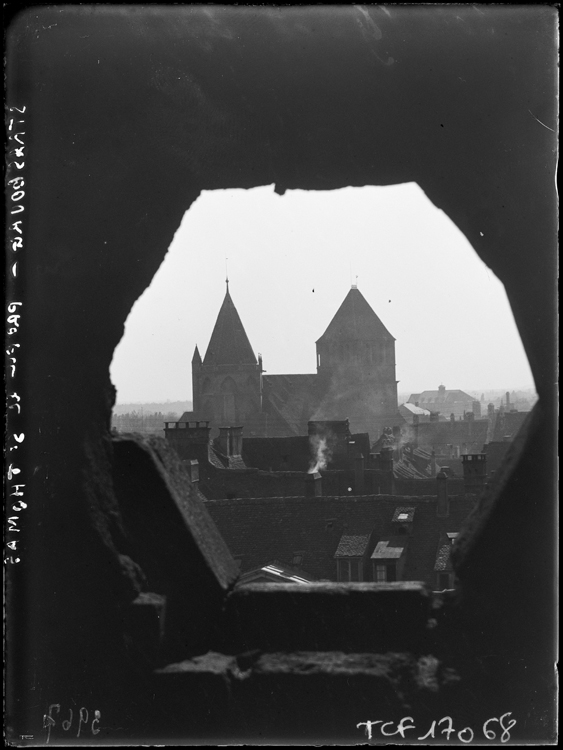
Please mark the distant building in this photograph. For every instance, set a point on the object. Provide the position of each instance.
(445, 402)
(355, 378)
(408, 411)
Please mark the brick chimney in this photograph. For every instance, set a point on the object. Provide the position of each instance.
(474, 472)
(223, 440)
(443, 506)
(359, 466)
(189, 439)
(230, 441)
(313, 485)
(236, 441)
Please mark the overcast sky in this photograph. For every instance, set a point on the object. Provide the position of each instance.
(291, 261)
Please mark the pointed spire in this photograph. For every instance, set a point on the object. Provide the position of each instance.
(229, 344)
(355, 320)
(196, 359)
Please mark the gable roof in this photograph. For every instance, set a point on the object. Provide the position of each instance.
(355, 320)
(229, 344)
(352, 546)
(440, 397)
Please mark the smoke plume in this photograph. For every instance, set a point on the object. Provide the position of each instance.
(321, 453)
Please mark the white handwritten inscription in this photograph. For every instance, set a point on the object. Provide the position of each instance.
(16, 183)
(84, 722)
(465, 735)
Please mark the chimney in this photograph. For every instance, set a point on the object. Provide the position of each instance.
(442, 390)
(189, 439)
(224, 440)
(491, 411)
(386, 460)
(443, 507)
(359, 474)
(452, 417)
(477, 409)
(193, 470)
(507, 401)
(433, 464)
(474, 472)
(236, 441)
(313, 485)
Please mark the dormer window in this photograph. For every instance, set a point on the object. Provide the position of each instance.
(349, 557)
(388, 560)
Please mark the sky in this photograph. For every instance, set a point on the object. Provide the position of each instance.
(292, 260)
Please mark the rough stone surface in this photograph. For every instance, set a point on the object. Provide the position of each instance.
(134, 111)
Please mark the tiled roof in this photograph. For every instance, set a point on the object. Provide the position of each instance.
(229, 344)
(444, 433)
(293, 398)
(383, 551)
(443, 557)
(508, 424)
(352, 546)
(414, 409)
(355, 320)
(447, 397)
(262, 529)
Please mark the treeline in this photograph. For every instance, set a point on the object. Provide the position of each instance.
(145, 423)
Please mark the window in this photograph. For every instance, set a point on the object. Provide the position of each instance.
(344, 570)
(354, 571)
(350, 570)
(384, 573)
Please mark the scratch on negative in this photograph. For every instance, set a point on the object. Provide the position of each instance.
(540, 122)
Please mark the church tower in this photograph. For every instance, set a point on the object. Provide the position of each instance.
(356, 369)
(227, 382)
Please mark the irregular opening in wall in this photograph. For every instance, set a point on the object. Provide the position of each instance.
(446, 343)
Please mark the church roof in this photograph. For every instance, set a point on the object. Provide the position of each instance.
(229, 344)
(355, 320)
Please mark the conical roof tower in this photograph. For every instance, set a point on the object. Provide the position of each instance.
(229, 344)
(355, 321)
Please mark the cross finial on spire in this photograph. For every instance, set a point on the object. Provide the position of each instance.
(227, 273)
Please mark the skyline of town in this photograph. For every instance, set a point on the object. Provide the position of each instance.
(447, 312)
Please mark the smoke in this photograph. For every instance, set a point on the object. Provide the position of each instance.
(321, 453)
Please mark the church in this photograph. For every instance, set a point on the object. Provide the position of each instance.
(355, 378)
